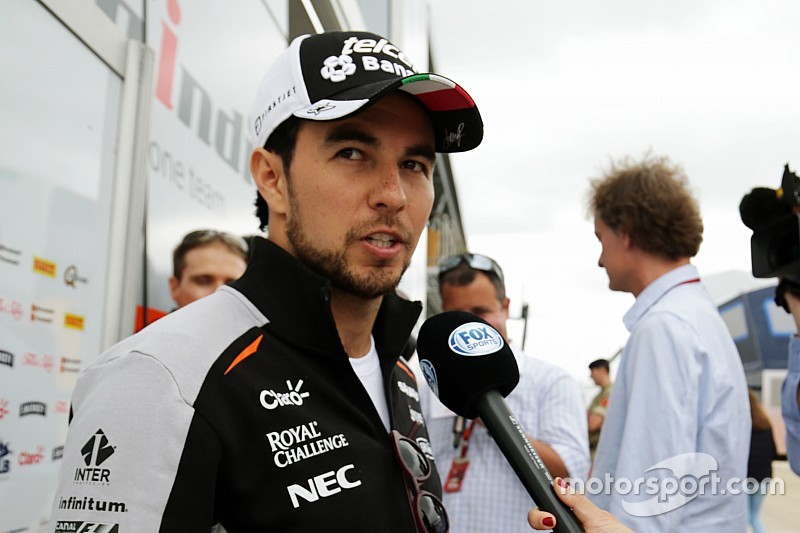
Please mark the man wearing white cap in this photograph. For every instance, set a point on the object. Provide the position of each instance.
(280, 402)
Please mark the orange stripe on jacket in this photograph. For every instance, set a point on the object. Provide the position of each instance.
(247, 352)
(407, 370)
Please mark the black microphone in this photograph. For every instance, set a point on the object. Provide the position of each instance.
(471, 368)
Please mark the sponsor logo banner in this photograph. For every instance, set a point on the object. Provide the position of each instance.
(44, 267)
(41, 314)
(71, 277)
(45, 362)
(70, 365)
(3, 408)
(12, 307)
(33, 408)
(9, 255)
(25, 458)
(73, 321)
(5, 461)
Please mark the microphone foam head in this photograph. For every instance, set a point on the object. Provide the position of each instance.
(761, 206)
(462, 357)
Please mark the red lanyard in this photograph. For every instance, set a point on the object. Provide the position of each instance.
(465, 439)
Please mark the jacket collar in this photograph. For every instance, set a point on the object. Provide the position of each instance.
(296, 302)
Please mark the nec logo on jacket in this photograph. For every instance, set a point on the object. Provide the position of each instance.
(322, 486)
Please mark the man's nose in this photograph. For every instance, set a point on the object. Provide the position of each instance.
(389, 192)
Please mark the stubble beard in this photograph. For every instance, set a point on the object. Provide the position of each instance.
(333, 264)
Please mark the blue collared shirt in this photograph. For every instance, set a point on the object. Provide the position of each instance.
(791, 412)
(678, 415)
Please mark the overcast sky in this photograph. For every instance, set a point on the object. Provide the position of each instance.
(564, 87)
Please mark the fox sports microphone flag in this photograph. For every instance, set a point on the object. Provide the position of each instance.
(462, 357)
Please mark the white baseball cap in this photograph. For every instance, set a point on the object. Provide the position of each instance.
(333, 75)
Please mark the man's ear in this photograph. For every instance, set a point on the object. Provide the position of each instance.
(506, 302)
(270, 179)
(627, 241)
(174, 284)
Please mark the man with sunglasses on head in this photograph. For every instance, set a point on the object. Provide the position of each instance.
(280, 402)
(204, 260)
(481, 491)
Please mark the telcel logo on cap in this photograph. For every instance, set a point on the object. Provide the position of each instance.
(475, 338)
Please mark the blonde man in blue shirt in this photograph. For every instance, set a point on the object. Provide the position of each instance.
(673, 452)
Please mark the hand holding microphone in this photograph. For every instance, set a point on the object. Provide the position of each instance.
(471, 368)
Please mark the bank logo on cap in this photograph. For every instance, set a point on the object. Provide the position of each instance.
(474, 339)
(337, 68)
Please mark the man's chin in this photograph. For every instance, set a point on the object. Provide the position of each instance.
(370, 284)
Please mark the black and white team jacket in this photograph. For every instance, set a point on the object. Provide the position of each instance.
(241, 413)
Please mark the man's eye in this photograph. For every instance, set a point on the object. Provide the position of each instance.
(351, 153)
(415, 166)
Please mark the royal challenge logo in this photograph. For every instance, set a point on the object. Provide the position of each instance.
(475, 339)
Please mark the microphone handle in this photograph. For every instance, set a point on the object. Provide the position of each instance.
(519, 452)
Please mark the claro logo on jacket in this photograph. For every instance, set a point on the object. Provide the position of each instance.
(272, 400)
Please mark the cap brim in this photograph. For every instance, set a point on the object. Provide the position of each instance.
(456, 120)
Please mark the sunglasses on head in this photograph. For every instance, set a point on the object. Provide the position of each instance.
(474, 261)
(429, 513)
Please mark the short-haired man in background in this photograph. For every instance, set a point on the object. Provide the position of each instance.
(680, 396)
(599, 372)
(481, 491)
(204, 260)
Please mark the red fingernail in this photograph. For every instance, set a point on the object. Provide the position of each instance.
(548, 521)
(561, 482)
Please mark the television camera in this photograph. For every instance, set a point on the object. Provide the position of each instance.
(774, 217)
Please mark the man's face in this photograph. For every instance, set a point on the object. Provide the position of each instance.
(207, 267)
(597, 375)
(359, 193)
(478, 298)
(614, 256)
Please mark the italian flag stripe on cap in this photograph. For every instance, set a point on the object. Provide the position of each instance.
(437, 93)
